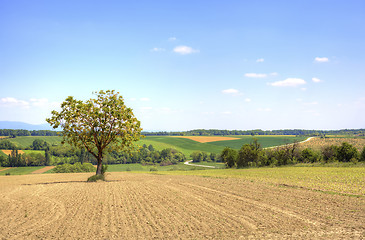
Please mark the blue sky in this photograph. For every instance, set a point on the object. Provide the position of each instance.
(183, 65)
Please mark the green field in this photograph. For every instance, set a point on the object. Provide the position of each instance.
(33, 151)
(20, 170)
(186, 146)
(337, 180)
(24, 142)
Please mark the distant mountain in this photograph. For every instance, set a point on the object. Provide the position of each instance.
(25, 126)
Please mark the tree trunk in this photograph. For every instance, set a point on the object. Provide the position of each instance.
(98, 168)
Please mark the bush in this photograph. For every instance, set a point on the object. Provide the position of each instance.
(153, 169)
(362, 156)
(346, 152)
(95, 178)
(309, 156)
(329, 153)
(77, 167)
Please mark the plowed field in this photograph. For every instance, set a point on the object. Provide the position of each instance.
(146, 206)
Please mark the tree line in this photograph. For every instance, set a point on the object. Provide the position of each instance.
(21, 132)
(204, 132)
(65, 154)
(252, 155)
(298, 132)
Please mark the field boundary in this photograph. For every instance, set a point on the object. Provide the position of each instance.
(42, 170)
(290, 144)
(197, 165)
(5, 169)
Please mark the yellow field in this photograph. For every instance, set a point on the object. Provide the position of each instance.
(8, 152)
(147, 206)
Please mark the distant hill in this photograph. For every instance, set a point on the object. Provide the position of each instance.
(25, 126)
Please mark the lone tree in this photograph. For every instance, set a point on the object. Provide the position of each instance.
(100, 125)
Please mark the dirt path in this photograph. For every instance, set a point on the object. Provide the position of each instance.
(43, 170)
(150, 206)
(196, 165)
(5, 169)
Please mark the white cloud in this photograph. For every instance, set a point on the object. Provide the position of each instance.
(39, 102)
(33, 102)
(184, 50)
(264, 109)
(172, 39)
(274, 74)
(144, 99)
(310, 103)
(248, 100)
(303, 89)
(208, 113)
(316, 80)
(230, 91)
(321, 59)
(289, 82)
(256, 75)
(226, 113)
(13, 102)
(157, 49)
(260, 60)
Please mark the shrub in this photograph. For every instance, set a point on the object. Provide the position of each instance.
(346, 152)
(329, 153)
(77, 167)
(229, 156)
(362, 156)
(95, 178)
(153, 169)
(309, 156)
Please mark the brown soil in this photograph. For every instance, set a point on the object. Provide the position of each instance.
(8, 152)
(204, 139)
(43, 170)
(146, 206)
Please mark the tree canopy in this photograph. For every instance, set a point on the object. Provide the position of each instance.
(99, 125)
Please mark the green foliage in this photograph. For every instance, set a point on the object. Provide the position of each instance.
(309, 156)
(346, 152)
(95, 178)
(329, 153)
(199, 156)
(153, 169)
(104, 168)
(39, 144)
(6, 144)
(229, 157)
(77, 167)
(100, 125)
(362, 156)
